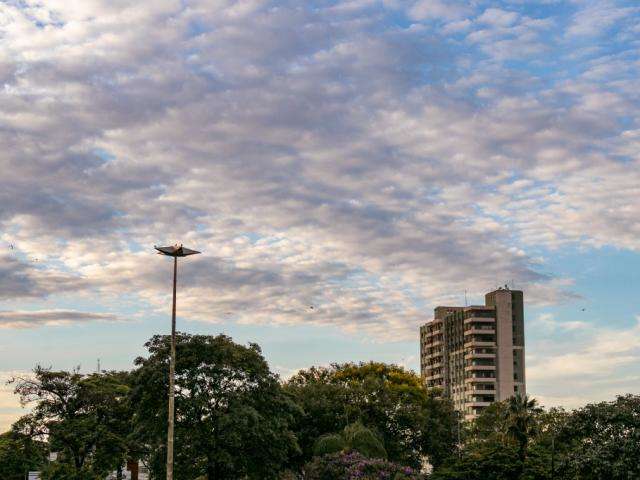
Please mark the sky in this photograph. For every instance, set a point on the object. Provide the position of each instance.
(344, 166)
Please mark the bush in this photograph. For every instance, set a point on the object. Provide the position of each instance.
(364, 441)
(355, 437)
(354, 466)
(332, 443)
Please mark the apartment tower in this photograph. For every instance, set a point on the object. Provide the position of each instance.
(475, 355)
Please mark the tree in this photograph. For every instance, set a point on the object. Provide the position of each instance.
(85, 418)
(411, 421)
(19, 454)
(482, 461)
(521, 422)
(503, 442)
(355, 438)
(232, 417)
(603, 440)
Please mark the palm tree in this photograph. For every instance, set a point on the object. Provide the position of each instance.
(521, 422)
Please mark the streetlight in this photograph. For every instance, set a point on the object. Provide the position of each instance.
(174, 251)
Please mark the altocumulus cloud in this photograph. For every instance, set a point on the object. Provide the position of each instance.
(38, 318)
(365, 158)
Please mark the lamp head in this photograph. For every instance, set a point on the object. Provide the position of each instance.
(175, 251)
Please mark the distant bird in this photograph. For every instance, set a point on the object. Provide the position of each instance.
(11, 246)
(583, 309)
(311, 307)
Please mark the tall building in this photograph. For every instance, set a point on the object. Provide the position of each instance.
(475, 355)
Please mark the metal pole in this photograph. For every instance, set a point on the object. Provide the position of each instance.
(172, 370)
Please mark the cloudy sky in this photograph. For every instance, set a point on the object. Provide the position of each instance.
(344, 166)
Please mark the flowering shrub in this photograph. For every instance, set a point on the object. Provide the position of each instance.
(354, 466)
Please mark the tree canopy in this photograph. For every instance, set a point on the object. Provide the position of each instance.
(235, 419)
(232, 416)
(86, 418)
(393, 402)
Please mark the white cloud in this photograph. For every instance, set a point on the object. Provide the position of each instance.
(318, 157)
(498, 17)
(10, 409)
(596, 17)
(439, 9)
(39, 318)
(586, 363)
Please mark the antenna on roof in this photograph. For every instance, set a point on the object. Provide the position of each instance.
(465, 298)
(98, 366)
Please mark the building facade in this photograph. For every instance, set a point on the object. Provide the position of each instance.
(475, 355)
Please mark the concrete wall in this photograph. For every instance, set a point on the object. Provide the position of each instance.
(501, 299)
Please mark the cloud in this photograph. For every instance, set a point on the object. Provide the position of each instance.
(330, 157)
(498, 17)
(10, 409)
(595, 361)
(30, 278)
(438, 9)
(594, 18)
(39, 318)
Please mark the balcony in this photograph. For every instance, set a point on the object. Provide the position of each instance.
(433, 332)
(480, 330)
(472, 355)
(433, 355)
(479, 380)
(479, 319)
(478, 343)
(469, 368)
(481, 391)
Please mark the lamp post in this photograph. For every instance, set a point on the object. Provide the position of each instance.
(174, 251)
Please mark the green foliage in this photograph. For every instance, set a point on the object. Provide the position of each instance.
(85, 418)
(482, 462)
(19, 453)
(364, 441)
(602, 440)
(235, 420)
(517, 440)
(355, 437)
(385, 398)
(330, 443)
(232, 417)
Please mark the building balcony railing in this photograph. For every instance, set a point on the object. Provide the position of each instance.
(479, 380)
(468, 368)
(476, 343)
(471, 355)
(433, 355)
(480, 331)
(481, 391)
(478, 404)
(479, 319)
(433, 332)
